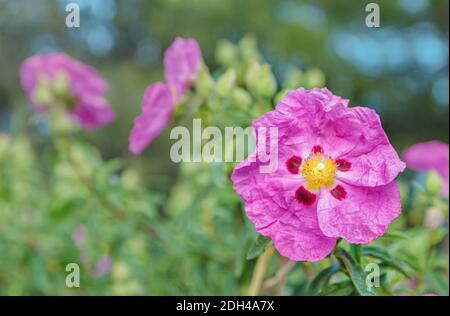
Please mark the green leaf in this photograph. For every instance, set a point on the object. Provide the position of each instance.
(323, 278)
(258, 247)
(439, 283)
(105, 171)
(401, 266)
(356, 252)
(395, 234)
(344, 288)
(354, 271)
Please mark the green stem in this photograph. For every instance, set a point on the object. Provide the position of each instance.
(260, 270)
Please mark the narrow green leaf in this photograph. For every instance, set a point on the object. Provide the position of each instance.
(356, 252)
(401, 266)
(323, 278)
(344, 288)
(354, 271)
(258, 247)
(396, 234)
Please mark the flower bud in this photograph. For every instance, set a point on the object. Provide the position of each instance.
(205, 82)
(434, 217)
(42, 94)
(61, 122)
(249, 48)
(60, 85)
(226, 83)
(315, 78)
(294, 79)
(241, 98)
(121, 271)
(260, 80)
(433, 183)
(226, 53)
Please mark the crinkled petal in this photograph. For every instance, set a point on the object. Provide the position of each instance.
(181, 62)
(315, 117)
(157, 108)
(374, 161)
(271, 206)
(362, 216)
(427, 156)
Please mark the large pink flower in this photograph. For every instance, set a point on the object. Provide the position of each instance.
(432, 155)
(334, 178)
(181, 62)
(57, 80)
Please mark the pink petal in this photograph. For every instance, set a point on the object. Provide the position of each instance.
(300, 116)
(316, 117)
(374, 161)
(362, 216)
(272, 207)
(157, 108)
(181, 62)
(432, 155)
(93, 111)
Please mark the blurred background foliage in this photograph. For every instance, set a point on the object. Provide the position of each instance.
(150, 226)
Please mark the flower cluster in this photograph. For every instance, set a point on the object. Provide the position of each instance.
(335, 176)
(336, 172)
(57, 82)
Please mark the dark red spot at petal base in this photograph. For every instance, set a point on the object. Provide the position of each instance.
(339, 193)
(293, 164)
(343, 165)
(305, 197)
(317, 150)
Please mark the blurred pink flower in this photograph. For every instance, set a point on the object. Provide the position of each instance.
(335, 176)
(103, 266)
(428, 156)
(57, 80)
(79, 236)
(181, 61)
(157, 108)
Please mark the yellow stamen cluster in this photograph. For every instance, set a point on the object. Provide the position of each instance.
(318, 171)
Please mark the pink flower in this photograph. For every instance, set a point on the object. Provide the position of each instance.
(334, 179)
(79, 236)
(432, 155)
(103, 266)
(181, 62)
(57, 80)
(157, 108)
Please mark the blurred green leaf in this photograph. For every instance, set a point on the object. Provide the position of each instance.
(396, 234)
(344, 288)
(258, 247)
(439, 283)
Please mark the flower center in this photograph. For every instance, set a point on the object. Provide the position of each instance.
(318, 171)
